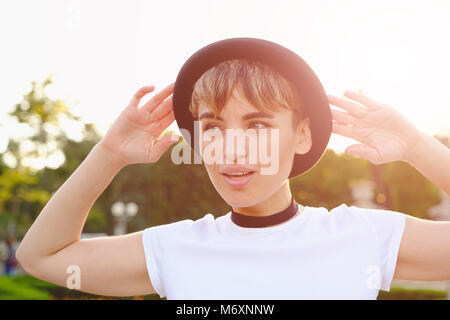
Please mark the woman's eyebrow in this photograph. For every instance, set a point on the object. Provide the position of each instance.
(209, 115)
(256, 115)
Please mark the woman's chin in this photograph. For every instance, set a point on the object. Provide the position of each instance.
(239, 201)
(240, 197)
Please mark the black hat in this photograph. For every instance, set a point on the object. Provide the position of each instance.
(283, 60)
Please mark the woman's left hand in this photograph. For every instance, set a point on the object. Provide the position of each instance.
(385, 134)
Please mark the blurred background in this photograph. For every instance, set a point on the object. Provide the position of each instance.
(68, 68)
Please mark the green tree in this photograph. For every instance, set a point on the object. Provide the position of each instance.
(327, 184)
(27, 186)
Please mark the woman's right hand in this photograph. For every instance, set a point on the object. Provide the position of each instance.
(132, 136)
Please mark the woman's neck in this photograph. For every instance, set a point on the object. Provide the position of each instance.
(279, 201)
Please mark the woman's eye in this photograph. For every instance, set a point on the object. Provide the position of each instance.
(258, 125)
(211, 126)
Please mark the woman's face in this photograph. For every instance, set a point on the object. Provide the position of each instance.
(248, 173)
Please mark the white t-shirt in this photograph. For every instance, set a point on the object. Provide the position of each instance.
(344, 253)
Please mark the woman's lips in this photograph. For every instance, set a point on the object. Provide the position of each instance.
(240, 181)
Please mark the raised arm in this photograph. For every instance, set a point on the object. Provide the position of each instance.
(108, 265)
(386, 135)
(432, 159)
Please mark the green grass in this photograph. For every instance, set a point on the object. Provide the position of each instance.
(26, 287)
(20, 288)
(412, 294)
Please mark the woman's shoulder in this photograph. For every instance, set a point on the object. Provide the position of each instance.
(365, 219)
(198, 225)
(336, 219)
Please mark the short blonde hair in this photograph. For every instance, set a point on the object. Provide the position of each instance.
(260, 84)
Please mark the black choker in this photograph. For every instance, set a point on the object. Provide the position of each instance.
(243, 220)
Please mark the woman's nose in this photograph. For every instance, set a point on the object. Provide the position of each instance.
(237, 144)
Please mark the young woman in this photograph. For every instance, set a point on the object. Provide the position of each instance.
(268, 246)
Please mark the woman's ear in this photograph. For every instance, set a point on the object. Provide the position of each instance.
(303, 135)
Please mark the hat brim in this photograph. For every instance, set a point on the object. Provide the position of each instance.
(286, 62)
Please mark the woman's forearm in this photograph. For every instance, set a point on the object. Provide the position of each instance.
(432, 159)
(61, 221)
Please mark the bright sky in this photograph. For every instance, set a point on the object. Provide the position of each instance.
(101, 52)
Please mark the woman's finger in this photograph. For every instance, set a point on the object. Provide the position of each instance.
(158, 98)
(344, 117)
(160, 111)
(161, 145)
(353, 108)
(364, 151)
(157, 127)
(365, 100)
(139, 94)
(166, 121)
(346, 131)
